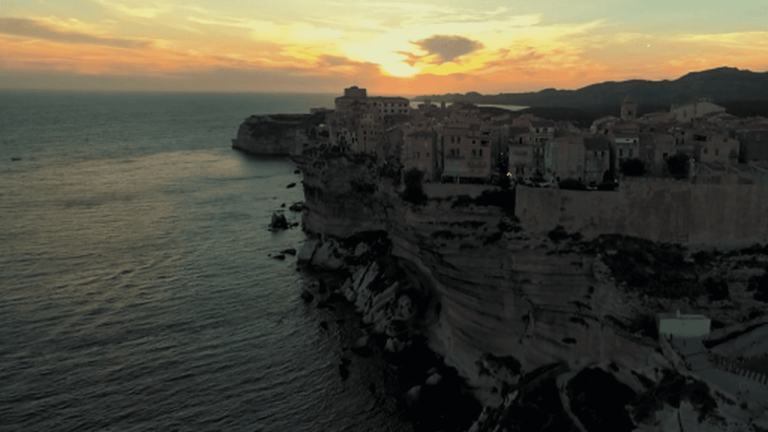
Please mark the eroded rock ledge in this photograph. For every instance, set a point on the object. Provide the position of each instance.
(528, 321)
(278, 134)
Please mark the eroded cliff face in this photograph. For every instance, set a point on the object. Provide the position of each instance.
(499, 304)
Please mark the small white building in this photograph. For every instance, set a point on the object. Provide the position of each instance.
(682, 325)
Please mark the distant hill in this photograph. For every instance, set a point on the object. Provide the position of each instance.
(744, 90)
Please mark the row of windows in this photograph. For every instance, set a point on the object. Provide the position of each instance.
(456, 152)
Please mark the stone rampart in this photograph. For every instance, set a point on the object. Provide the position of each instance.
(661, 210)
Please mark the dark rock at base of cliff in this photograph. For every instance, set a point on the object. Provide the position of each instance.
(290, 185)
(278, 221)
(279, 257)
(343, 369)
(307, 296)
(15, 159)
(297, 207)
(538, 408)
(289, 251)
(598, 400)
(324, 325)
(343, 372)
(361, 348)
(297, 171)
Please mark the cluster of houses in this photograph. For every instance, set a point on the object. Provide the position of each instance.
(458, 143)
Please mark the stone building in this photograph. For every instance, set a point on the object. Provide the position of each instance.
(359, 121)
(564, 157)
(753, 141)
(597, 159)
(466, 154)
(420, 152)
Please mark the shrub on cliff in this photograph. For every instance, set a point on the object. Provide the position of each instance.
(677, 165)
(572, 184)
(671, 390)
(759, 284)
(504, 198)
(413, 192)
(655, 269)
(633, 167)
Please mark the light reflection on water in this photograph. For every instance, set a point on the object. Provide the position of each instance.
(137, 291)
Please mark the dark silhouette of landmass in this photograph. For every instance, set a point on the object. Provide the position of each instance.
(742, 92)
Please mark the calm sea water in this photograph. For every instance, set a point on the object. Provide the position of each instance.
(136, 287)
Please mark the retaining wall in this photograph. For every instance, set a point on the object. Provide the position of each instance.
(663, 210)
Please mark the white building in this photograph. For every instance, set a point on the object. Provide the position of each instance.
(694, 109)
(682, 325)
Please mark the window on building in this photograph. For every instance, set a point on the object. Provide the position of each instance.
(474, 153)
(631, 152)
(621, 152)
(427, 154)
(705, 151)
(717, 152)
(481, 152)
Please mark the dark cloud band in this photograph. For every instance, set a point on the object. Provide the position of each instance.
(32, 29)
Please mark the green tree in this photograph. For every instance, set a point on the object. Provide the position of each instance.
(413, 192)
(678, 165)
(633, 167)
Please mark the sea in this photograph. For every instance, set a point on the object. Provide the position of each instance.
(139, 288)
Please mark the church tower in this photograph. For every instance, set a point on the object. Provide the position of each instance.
(628, 109)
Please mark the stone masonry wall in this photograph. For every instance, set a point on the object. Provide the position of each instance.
(659, 210)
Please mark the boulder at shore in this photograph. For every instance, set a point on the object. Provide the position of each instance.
(278, 221)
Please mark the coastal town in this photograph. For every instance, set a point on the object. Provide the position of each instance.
(464, 143)
(684, 329)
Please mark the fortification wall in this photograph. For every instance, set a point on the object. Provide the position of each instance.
(656, 209)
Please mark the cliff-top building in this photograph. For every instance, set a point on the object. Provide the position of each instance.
(359, 121)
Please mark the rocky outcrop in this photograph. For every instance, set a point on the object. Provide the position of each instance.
(498, 304)
(279, 134)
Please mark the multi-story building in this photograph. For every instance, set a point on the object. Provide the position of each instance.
(626, 145)
(597, 159)
(420, 152)
(466, 154)
(358, 122)
(655, 148)
(753, 139)
(564, 157)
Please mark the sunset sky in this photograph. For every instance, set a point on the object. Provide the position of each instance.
(390, 47)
